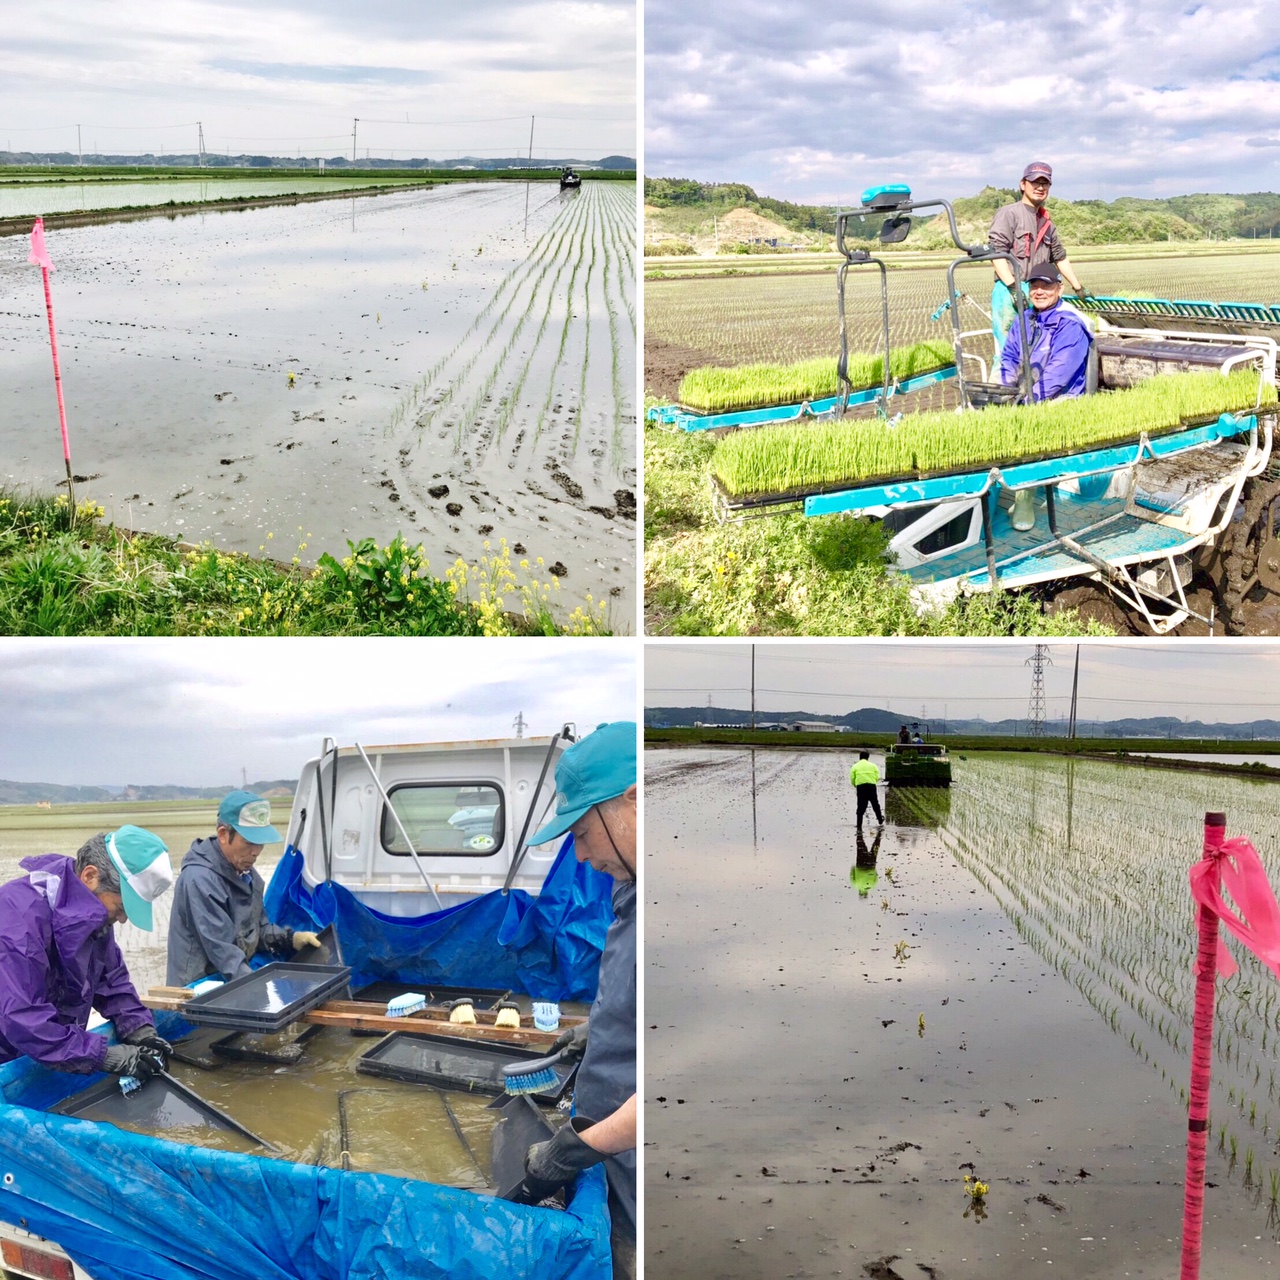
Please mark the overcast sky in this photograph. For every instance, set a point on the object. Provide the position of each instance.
(935, 680)
(192, 712)
(283, 76)
(815, 102)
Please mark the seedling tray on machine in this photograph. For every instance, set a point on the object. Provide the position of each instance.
(450, 1062)
(269, 999)
(522, 1125)
(160, 1103)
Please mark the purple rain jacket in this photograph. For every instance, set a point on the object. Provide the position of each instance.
(1059, 352)
(59, 959)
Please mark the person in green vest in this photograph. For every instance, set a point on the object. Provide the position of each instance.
(864, 776)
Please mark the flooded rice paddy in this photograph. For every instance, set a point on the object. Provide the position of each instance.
(997, 984)
(30, 197)
(455, 364)
(26, 830)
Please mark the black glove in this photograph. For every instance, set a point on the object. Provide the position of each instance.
(141, 1062)
(549, 1165)
(573, 1041)
(147, 1036)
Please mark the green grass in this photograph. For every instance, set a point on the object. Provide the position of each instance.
(83, 577)
(713, 389)
(791, 458)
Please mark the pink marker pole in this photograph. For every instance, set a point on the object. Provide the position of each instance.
(39, 254)
(1215, 831)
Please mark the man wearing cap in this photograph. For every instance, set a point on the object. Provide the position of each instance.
(219, 922)
(1059, 341)
(1026, 231)
(59, 958)
(596, 782)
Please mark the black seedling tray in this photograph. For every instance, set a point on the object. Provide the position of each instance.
(268, 999)
(522, 1125)
(384, 991)
(452, 1062)
(160, 1103)
(196, 1048)
(251, 1046)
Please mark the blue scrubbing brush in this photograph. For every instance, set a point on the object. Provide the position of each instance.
(531, 1077)
(403, 1006)
(129, 1084)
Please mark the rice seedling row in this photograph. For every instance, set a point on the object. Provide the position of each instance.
(1107, 905)
(799, 458)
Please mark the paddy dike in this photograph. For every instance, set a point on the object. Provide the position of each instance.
(823, 1068)
(234, 375)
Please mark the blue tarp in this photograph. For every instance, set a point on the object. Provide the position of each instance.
(124, 1205)
(548, 947)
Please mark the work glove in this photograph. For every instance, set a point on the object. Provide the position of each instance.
(146, 1036)
(303, 938)
(140, 1061)
(573, 1041)
(549, 1165)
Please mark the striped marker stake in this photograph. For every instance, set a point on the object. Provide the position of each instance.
(1235, 866)
(40, 256)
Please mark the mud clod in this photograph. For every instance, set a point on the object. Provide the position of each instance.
(453, 508)
(485, 530)
(625, 500)
(519, 549)
(439, 491)
(559, 571)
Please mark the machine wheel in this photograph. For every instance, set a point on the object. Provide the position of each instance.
(1249, 553)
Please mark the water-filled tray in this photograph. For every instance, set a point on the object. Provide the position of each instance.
(522, 1125)
(481, 997)
(451, 1062)
(280, 1049)
(160, 1103)
(268, 999)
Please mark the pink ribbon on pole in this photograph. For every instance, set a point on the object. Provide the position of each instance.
(1235, 866)
(39, 254)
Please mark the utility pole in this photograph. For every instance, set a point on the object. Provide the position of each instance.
(244, 778)
(354, 125)
(200, 158)
(520, 724)
(79, 148)
(531, 120)
(1075, 688)
(1035, 704)
(753, 687)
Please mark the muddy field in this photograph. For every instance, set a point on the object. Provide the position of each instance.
(454, 364)
(838, 1031)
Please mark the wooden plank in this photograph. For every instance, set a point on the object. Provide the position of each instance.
(360, 1015)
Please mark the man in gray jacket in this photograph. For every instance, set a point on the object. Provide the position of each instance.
(218, 923)
(1025, 231)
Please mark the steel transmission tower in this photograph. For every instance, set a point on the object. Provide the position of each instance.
(1035, 704)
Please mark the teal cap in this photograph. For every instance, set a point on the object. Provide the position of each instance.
(600, 767)
(250, 816)
(142, 861)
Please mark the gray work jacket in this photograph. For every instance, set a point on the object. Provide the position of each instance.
(1016, 229)
(218, 922)
(607, 1076)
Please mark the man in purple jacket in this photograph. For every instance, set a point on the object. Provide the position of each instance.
(1059, 344)
(59, 958)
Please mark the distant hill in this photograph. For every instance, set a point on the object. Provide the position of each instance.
(33, 792)
(682, 210)
(878, 720)
(312, 163)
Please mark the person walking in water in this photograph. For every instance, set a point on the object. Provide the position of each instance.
(864, 776)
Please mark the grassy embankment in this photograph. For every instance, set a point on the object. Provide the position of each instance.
(1119, 747)
(60, 576)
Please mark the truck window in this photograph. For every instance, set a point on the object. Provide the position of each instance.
(449, 819)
